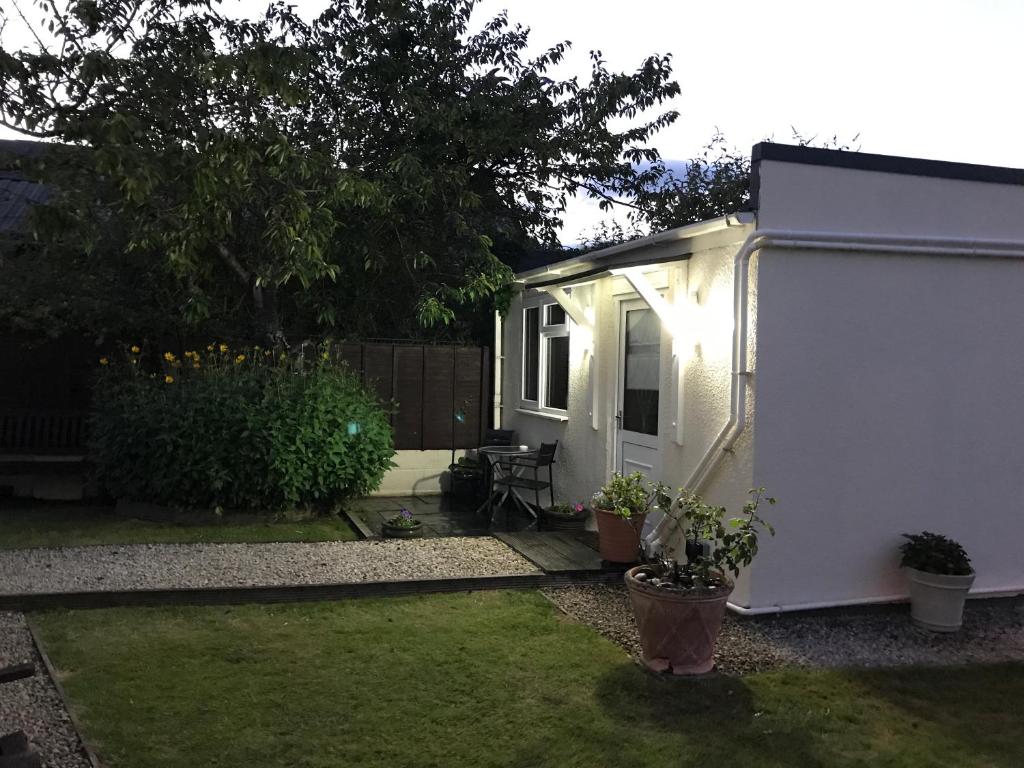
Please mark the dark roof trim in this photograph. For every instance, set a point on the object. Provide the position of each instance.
(864, 161)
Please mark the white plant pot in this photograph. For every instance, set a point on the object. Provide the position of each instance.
(937, 600)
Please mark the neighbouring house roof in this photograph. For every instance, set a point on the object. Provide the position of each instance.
(671, 245)
(17, 195)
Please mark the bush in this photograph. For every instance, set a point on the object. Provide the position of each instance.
(934, 553)
(237, 429)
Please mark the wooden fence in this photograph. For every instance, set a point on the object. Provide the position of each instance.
(441, 393)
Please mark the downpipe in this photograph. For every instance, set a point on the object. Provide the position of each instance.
(795, 240)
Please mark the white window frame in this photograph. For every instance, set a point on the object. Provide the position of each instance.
(541, 302)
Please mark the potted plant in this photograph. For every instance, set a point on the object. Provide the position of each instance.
(620, 508)
(565, 517)
(402, 526)
(940, 577)
(679, 606)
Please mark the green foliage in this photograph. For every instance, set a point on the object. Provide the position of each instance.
(712, 545)
(934, 553)
(360, 171)
(629, 495)
(237, 430)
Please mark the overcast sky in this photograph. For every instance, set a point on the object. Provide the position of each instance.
(925, 78)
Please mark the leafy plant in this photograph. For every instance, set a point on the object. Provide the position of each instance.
(934, 553)
(561, 508)
(236, 429)
(372, 169)
(403, 519)
(712, 546)
(629, 496)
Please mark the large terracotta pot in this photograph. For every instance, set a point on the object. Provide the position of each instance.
(678, 630)
(618, 539)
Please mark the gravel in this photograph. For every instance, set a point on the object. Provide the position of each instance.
(179, 566)
(993, 632)
(32, 704)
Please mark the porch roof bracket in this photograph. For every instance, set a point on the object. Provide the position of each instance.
(665, 312)
(570, 305)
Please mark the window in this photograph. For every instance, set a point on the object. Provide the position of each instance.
(545, 356)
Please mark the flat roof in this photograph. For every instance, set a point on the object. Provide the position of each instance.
(865, 161)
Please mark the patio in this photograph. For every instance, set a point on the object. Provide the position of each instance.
(441, 515)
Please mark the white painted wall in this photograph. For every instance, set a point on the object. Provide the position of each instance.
(585, 454)
(886, 387)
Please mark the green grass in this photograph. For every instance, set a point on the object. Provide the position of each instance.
(56, 525)
(487, 679)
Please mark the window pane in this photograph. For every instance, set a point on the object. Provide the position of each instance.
(531, 352)
(556, 392)
(643, 353)
(554, 315)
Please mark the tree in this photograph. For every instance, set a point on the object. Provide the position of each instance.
(358, 173)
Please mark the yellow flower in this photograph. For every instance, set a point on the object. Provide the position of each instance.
(327, 355)
(168, 379)
(135, 349)
(195, 364)
(169, 357)
(239, 359)
(104, 361)
(223, 347)
(209, 347)
(192, 355)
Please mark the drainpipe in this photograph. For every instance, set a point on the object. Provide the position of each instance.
(816, 241)
(499, 367)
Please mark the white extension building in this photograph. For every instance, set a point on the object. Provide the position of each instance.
(855, 344)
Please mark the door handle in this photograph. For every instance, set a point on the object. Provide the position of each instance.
(618, 417)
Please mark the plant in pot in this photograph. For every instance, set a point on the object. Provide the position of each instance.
(402, 526)
(620, 508)
(679, 605)
(565, 517)
(940, 577)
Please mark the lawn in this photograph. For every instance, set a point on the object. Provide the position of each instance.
(487, 679)
(57, 525)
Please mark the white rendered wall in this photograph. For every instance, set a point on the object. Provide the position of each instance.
(887, 387)
(585, 454)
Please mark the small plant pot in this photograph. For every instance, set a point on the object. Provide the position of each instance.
(618, 539)
(414, 531)
(937, 600)
(562, 521)
(678, 629)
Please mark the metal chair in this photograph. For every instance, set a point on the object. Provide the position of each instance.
(544, 457)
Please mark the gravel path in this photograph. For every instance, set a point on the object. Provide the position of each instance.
(170, 566)
(32, 705)
(993, 632)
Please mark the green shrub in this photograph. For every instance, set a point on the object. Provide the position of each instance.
(237, 429)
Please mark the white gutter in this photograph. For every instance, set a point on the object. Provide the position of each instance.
(759, 240)
(560, 268)
(817, 241)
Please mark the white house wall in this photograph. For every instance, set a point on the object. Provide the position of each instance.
(585, 454)
(887, 387)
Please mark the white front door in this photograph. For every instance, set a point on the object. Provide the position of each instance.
(639, 376)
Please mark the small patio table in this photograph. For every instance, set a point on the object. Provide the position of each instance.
(497, 467)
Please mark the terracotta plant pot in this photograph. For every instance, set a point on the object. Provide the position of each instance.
(937, 600)
(561, 521)
(414, 531)
(678, 629)
(618, 539)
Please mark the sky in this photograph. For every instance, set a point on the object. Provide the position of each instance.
(935, 79)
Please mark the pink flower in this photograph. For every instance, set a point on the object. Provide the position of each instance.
(579, 507)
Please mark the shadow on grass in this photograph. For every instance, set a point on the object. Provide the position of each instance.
(975, 708)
